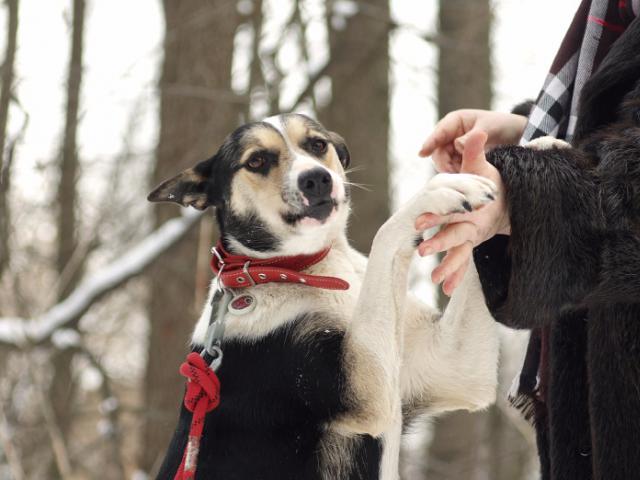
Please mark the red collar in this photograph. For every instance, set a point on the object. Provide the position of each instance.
(238, 271)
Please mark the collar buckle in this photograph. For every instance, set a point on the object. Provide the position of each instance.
(245, 270)
(214, 251)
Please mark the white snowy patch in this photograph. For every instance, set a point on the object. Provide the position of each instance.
(65, 338)
(139, 475)
(245, 7)
(108, 405)
(105, 428)
(345, 8)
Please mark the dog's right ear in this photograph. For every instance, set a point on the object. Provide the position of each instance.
(192, 187)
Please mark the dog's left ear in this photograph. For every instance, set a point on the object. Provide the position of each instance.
(192, 187)
(341, 148)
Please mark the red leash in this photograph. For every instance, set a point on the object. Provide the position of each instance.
(203, 395)
(236, 271)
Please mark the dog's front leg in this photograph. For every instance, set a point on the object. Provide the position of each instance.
(450, 359)
(374, 339)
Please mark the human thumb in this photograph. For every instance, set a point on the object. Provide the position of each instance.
(473, 158)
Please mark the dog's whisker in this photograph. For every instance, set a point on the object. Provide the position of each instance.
(357, 168)
(362, 186)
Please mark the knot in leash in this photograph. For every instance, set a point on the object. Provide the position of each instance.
(203, 386)
(202, 396)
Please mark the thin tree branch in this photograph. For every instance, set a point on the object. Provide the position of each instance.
(304, 48)
(60, 451)
(109, 204)
(66, 196)
(256, 74)
(7, 73)
(369, 11)
(21, 332)
(13, 459)
(5, 185)
(374, 12)
(311, 84)
(110, 408)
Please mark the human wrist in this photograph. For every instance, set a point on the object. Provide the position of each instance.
(517, 124)
(504, 225)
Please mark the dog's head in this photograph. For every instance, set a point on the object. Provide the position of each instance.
(278, 187)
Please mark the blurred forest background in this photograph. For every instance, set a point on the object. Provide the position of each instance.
(100, 100)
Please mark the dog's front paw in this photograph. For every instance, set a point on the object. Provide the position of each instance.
(547, 143)
(448, 193)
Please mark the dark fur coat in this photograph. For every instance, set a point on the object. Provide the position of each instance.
(572, 267)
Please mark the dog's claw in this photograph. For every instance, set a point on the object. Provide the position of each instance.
(457, 193)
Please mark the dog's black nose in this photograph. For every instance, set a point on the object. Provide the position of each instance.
(315, 183)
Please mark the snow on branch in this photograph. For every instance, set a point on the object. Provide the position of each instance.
(20, 332)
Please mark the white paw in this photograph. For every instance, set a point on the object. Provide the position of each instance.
(448, 193)
(547, 143)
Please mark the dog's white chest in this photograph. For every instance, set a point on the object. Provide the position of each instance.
(256, 311)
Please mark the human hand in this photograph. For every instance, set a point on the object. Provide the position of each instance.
(462, 232)
(447, 142)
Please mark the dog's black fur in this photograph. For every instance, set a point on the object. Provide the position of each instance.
(268, 430)
(573, 263)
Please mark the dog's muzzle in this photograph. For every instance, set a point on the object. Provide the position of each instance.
(316, 186)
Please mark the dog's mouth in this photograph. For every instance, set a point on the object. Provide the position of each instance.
(319, 211)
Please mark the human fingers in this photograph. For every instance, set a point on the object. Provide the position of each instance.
(455, 258)
(446, 159)
(452, 235)
(446, 131)
(481, 125)
(430, 220)
(473, 157)
(501, 129)
(454, 280)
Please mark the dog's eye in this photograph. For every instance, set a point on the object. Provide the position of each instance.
(319, 146)
(256, 161)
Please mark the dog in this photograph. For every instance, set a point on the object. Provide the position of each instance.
(317, 382)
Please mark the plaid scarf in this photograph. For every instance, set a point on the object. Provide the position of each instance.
(596, 25)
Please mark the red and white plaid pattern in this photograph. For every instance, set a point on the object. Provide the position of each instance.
(596, 25)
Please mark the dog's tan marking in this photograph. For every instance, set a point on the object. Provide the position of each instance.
(332, 160)
(250, 190)
(262, 137)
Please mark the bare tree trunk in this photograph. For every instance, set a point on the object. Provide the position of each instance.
(483, 445)
(359, 111)
(464, 61)
(198, 50)
(6, 91)
(464, 81)
(67, 237)
(63, 384)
